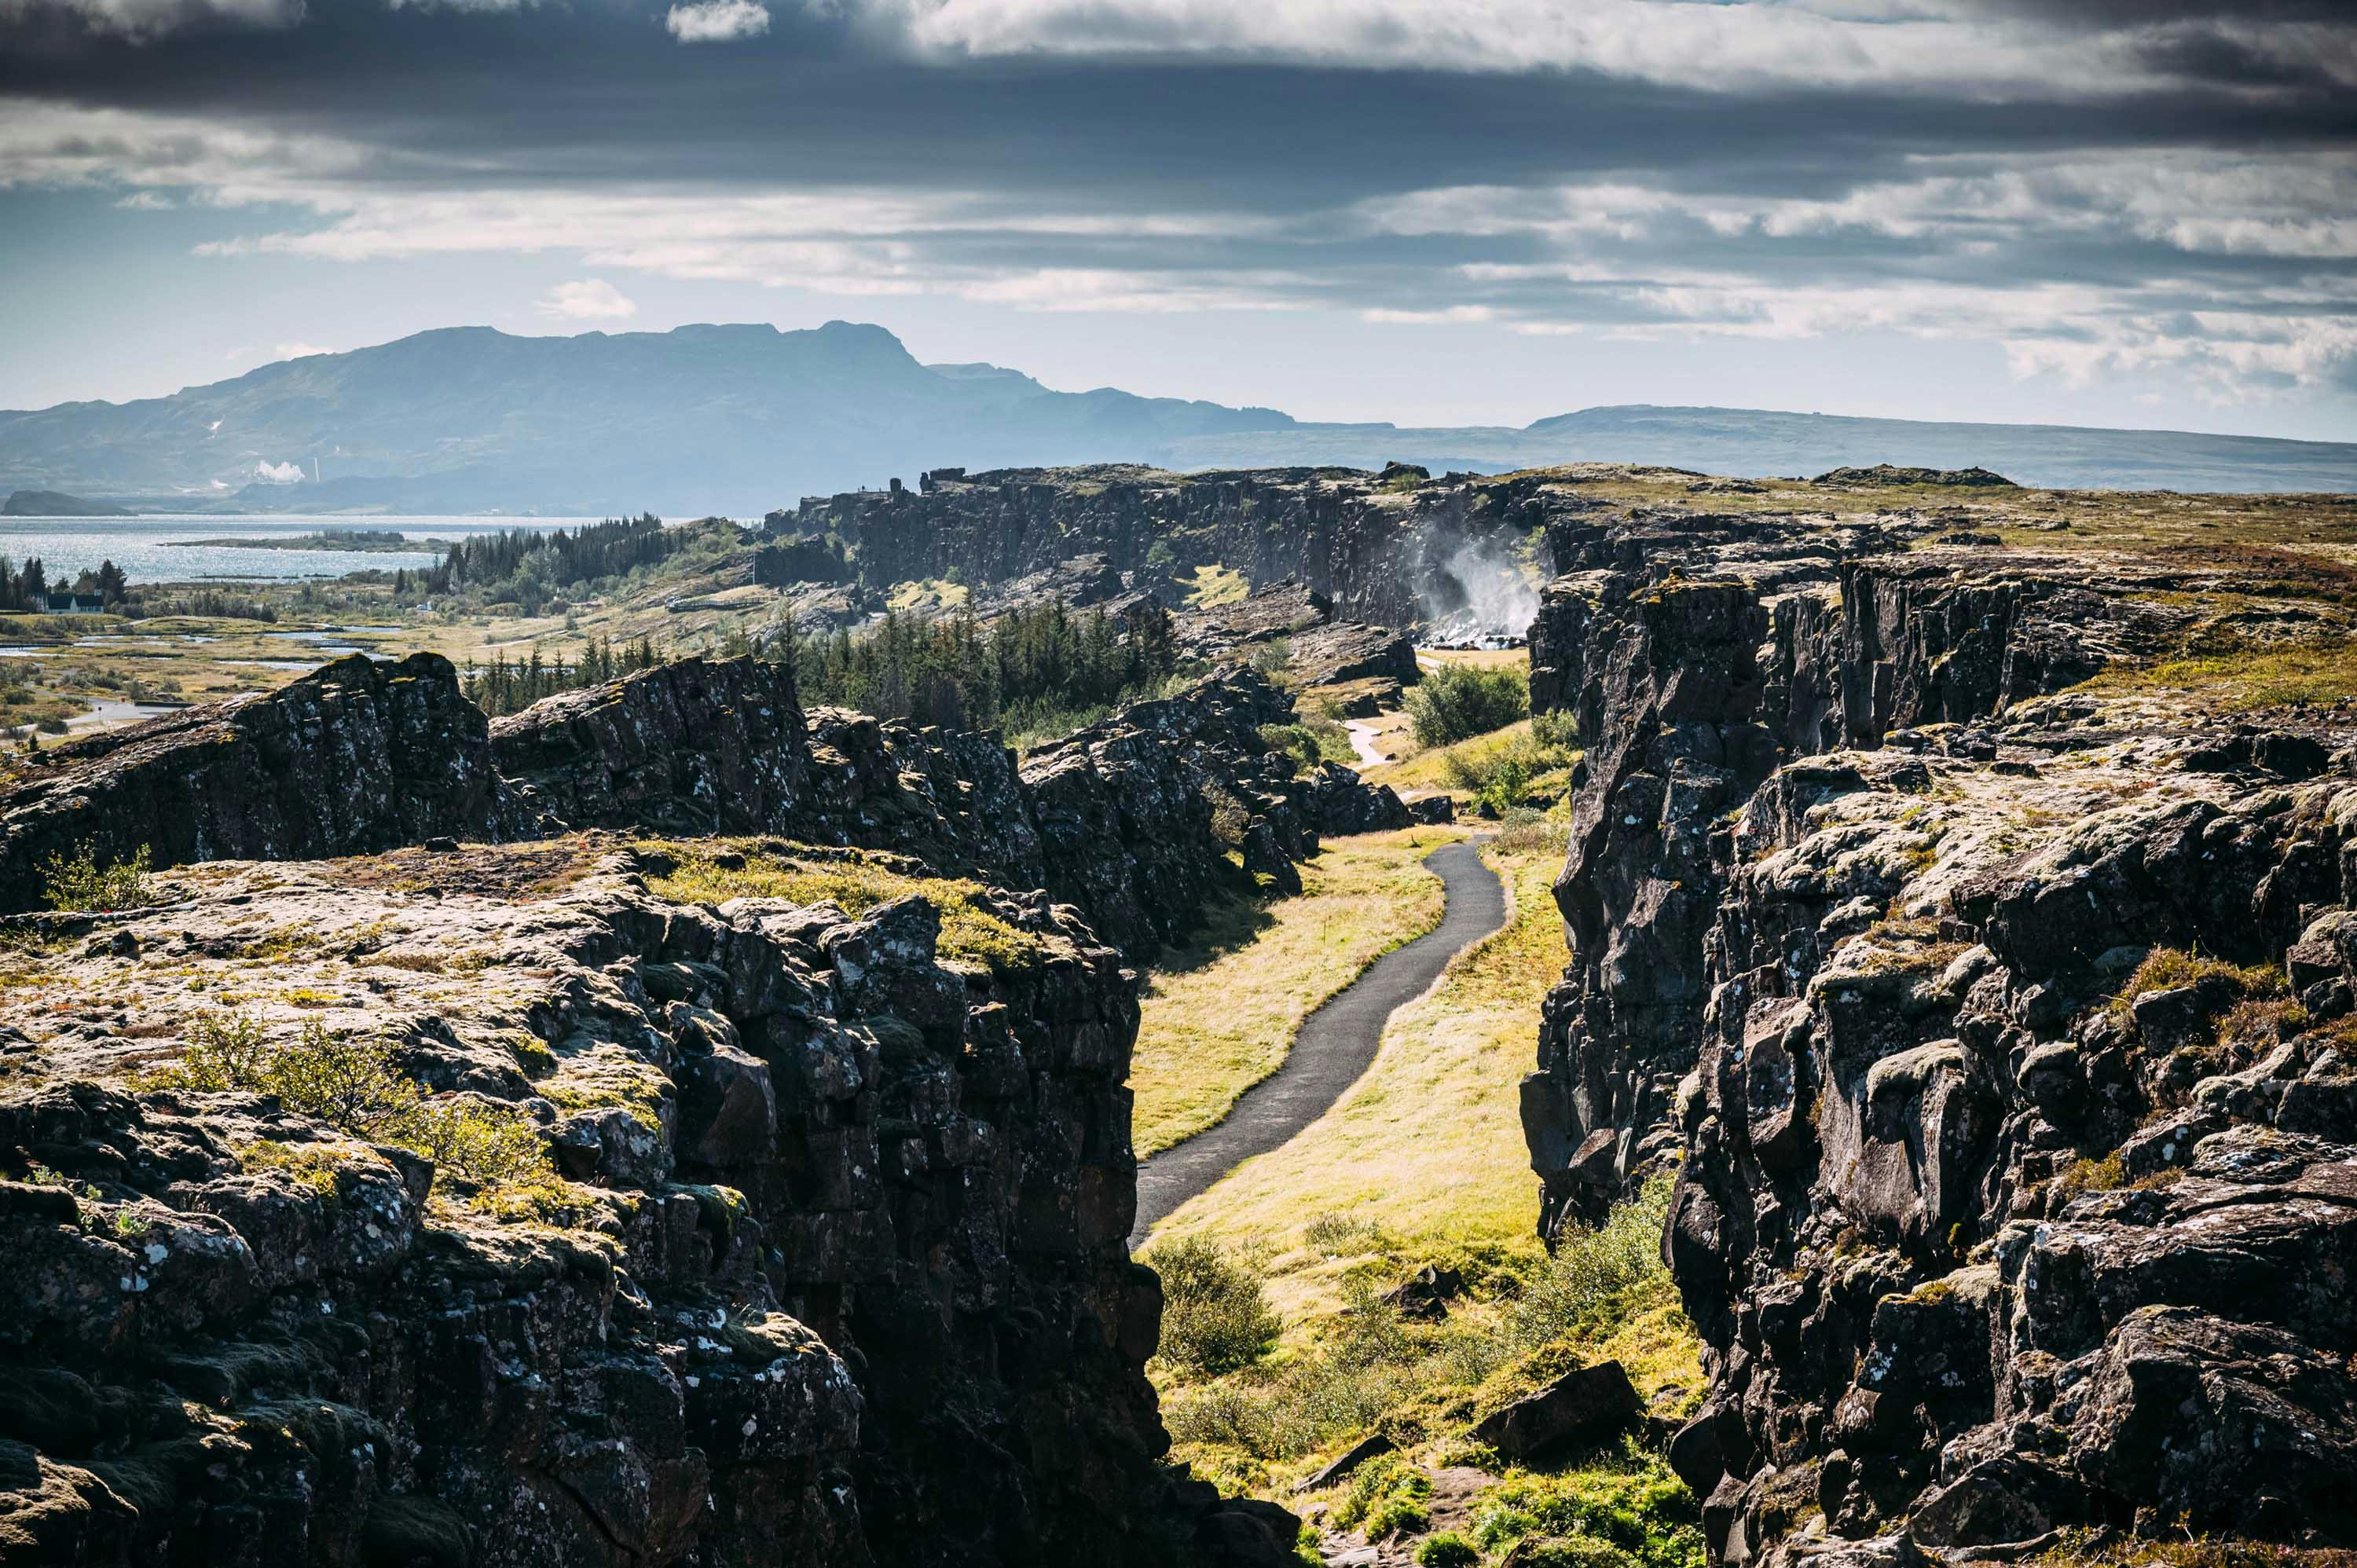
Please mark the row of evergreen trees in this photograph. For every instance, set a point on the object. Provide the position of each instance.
(509, 687)
(29, 587)
(1025, 667)
(554, 557)
(1008, 673)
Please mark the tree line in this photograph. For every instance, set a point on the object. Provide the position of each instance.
(506, 686)
(1009, 672)
(529, 565)
(29, 587)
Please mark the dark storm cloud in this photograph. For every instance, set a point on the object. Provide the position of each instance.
(2130, 178)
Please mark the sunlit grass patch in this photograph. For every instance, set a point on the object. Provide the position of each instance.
(1212, 586)
(2237, 679)
(1221, 1011)
(971, 929)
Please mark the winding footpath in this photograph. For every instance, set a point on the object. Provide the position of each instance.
(1336, 1045)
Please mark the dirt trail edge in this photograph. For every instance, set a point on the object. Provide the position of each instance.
(1336, 1045)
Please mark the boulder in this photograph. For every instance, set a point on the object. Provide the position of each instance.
(1586, 1405)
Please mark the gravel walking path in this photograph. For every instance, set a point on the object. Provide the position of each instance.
(1336, 1045)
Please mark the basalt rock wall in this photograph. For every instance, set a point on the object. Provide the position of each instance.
(359, 757)
(1993, 1230)
(1131, 818)
(1370, 547)
(838, 1274)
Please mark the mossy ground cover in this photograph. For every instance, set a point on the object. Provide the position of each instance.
(2239, 678)
(1220, 1012)
(713, 871)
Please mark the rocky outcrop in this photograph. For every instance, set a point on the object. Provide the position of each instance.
(1317, 650)
(1132, 819)
(356, 756)
(1992, 1229)
(834, 1270)
(1671, 715)
(695, 747)
(1378, 546)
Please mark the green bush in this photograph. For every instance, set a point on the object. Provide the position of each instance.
(79, 882)
(1314, 740)
(1215, 1316)
(1555, 729)
(1600, 1275)
(1387, 1497)
(1447, 1549)
(1457, 702)
(1499, 779)
(1634, 1513)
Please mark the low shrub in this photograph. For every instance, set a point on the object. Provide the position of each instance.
(79, 882)
(2165, 969)
(1387, 1497)
(1312, 740)
(1636, 1512)
(357, 1086)
(1598, 1276)
(1447, 1549)
(1457, 702)
(1215, 1316)
(1554, 728)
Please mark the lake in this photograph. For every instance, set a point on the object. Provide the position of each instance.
(155, 549)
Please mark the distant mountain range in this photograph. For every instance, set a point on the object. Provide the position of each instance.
(742, 418)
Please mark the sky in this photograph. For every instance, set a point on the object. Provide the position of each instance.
(2126, 212)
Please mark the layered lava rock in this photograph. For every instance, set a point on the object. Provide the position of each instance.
(1998, 1030)
(478, 1202)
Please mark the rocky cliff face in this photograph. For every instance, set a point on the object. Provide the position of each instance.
(476, 1203)
(2002, 1064)
(1130, 818)
(839, 1275)
(1119, 818)
(358, 756)
(1381, 547)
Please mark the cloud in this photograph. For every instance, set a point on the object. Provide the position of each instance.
(588, 299)
(270, 473)
(144, 21)
(1747, 44)
(2139, 189)
(1449, 316)
(716, 21)
(298, 350)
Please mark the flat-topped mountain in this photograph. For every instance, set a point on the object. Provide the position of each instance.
(739, 419)
(705, 418)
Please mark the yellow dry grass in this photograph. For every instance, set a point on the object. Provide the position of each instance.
(1426, 1150)
(1484, 658)
(1427, 772)
(1220, 1014)
(1213, 586)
